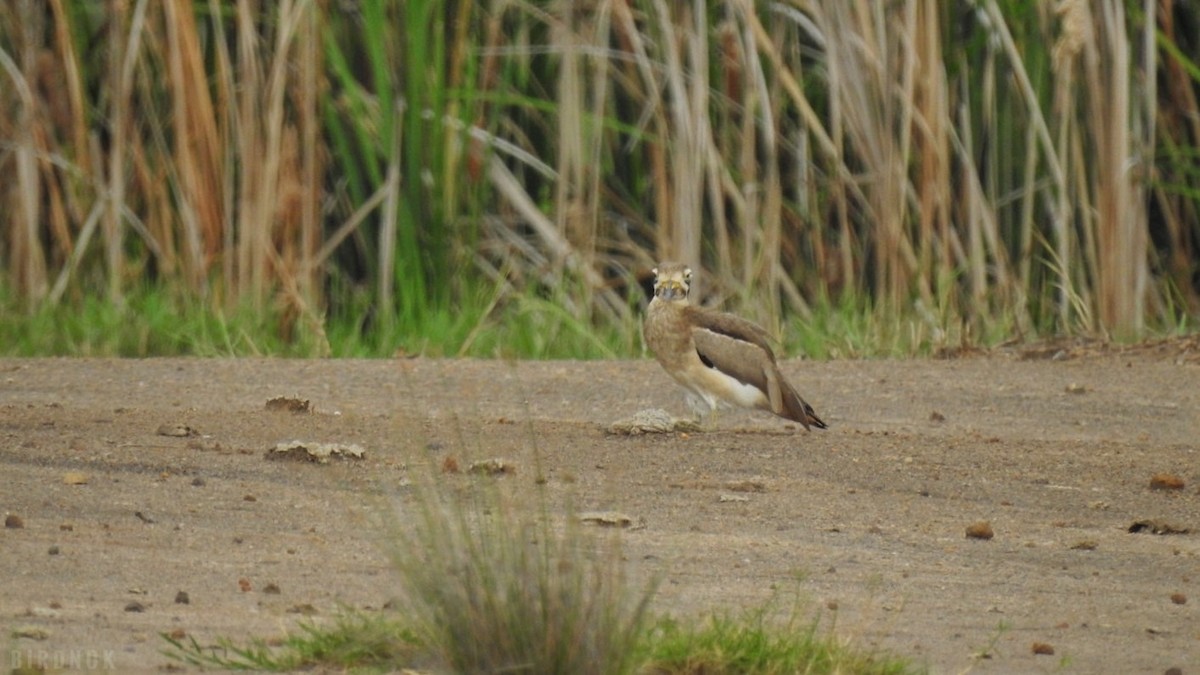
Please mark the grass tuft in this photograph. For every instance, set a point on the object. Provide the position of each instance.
(497, 586)
(357, 641)
(753, 643)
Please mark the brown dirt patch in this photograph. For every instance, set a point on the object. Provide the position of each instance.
(137, 483)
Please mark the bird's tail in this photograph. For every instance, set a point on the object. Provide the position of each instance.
(798, 410)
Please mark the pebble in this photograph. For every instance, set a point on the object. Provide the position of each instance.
(1042, 648)
(1166, 481)
(14, 522)
(980, 530)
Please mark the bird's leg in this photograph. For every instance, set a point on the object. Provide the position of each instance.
(710, 422)
(704, 411)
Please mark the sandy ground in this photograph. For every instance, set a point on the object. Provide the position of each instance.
(110, 518)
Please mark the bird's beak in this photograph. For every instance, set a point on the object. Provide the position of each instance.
(671, 290)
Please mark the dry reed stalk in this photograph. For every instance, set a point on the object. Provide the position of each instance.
(27, 256)
(125, 45)
(198, 152)
(573, 164)
(388, 223)
(869, 63)
(311, 170)
(265, 137)
(1121, 241)
(932, 126)
(685, 70)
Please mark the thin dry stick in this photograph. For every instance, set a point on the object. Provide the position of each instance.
(28, 258)
(687, 128)
(124, 58)
(309, 286)
(197, 145)
(388, 221)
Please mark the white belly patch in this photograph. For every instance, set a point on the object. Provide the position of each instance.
(712, 385)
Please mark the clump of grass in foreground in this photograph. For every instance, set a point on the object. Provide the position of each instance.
(355, 641)
(497, 585)
(754, 644)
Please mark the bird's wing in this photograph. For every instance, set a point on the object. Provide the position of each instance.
(747, 360)
(741, 350)
(731, 326)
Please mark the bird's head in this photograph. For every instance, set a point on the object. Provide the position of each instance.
(671, 281)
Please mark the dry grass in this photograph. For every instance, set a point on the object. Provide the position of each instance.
(497, 582)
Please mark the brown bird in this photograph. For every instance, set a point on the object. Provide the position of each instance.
(717, 356)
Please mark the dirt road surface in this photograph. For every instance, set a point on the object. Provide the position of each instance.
(110, 515)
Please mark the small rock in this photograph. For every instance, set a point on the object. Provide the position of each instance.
(290, 404)
(244, 584)
(747, 485)
(1042, 648)
(197, 482)
(135, 606)
(606, 518)
(53, 550)
(14, 522)
(176, 431)
(936, 416)
(1173, 670)
(249, 498)
(320, 453)
(75, 478)
(304, 609)
(1085, 545)
(652, 421)
(450, 465)
(1074, 388)
(1156, 527)
(1179, 598)
(271, 589)
(182, 598)
(177, 634)
(1166, 481)
(980, 530)
(733, 498)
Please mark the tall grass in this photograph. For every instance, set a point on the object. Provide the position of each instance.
(1001, 165)
(501, 586)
